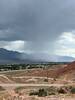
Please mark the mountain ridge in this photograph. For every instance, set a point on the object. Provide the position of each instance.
(7, 56)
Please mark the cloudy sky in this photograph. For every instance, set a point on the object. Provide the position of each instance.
(38, 26)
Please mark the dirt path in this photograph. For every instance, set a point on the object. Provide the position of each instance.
(13, 86)
(5, 79)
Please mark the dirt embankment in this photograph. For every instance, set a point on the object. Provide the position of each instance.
(66, 70)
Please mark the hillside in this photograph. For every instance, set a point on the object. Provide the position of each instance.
(9, 57)
(67, 72)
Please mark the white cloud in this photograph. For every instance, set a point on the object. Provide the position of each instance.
(66, 44)
(17, 45)
(68, 37)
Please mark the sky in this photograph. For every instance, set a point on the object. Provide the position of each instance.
(38, 26)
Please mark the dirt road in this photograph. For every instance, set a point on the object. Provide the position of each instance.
(32, 85)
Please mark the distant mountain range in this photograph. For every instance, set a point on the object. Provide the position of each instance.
(8, 57)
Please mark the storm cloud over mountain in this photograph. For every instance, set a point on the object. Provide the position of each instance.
(35, 26)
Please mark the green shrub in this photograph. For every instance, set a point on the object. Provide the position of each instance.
(73, 90)
(33, 93)
(45, 80)
(1, 88)
(52, 90)
(61, 91)
(52, 93)
(42, 92)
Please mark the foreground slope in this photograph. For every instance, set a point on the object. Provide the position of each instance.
(67, 72)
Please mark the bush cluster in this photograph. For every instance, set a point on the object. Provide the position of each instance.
(53, 91)
(40, 93)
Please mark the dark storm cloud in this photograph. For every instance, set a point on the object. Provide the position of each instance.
(38, 21)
